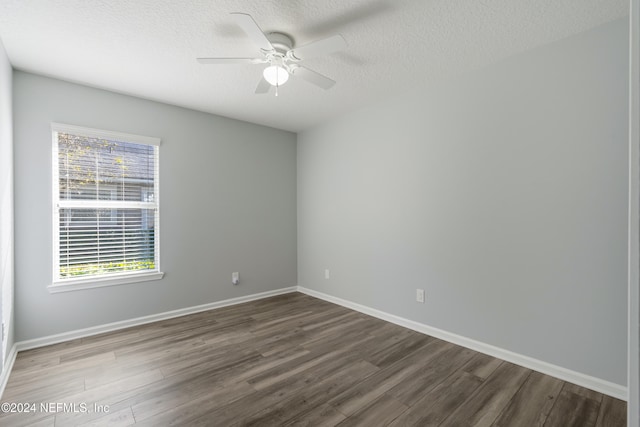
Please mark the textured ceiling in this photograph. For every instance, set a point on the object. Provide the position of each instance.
(147, 48)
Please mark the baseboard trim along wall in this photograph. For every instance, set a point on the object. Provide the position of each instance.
(592, 383)
(109, 327)
(8, 366)
(596, 384)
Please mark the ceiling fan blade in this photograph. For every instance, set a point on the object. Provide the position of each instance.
(319, 47)
(313, 77)
(263, 86)
(228, 60)
(252, 29)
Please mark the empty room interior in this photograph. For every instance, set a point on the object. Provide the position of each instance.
(366, 212)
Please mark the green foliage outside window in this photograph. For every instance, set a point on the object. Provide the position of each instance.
(105, 268)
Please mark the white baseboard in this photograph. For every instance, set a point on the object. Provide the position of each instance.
(596, 384)
(7, 367)
(593, 383)
(94, 330)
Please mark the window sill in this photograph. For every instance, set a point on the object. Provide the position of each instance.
(69, 285)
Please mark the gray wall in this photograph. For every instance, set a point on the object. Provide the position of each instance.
(6, 200)
(502, 193)
(227, 203)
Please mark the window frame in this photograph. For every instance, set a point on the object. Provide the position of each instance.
(59, 284)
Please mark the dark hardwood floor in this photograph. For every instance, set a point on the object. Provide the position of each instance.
(289, 360)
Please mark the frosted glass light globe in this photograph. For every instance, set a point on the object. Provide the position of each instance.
(275, 75)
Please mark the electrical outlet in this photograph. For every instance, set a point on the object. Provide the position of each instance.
(235, 278)
(326, 274)
(420, 295)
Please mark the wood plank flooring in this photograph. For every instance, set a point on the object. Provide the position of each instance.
(290, 360)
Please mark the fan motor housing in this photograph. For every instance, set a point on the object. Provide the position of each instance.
(281, 42)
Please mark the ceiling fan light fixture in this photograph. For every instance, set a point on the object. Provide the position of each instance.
(280, 57)
(276, 75)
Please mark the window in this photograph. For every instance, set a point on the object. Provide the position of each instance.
(105, 216)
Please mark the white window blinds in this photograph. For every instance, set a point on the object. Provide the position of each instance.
(105, 192)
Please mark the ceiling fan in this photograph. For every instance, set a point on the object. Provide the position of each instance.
(282, 58)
